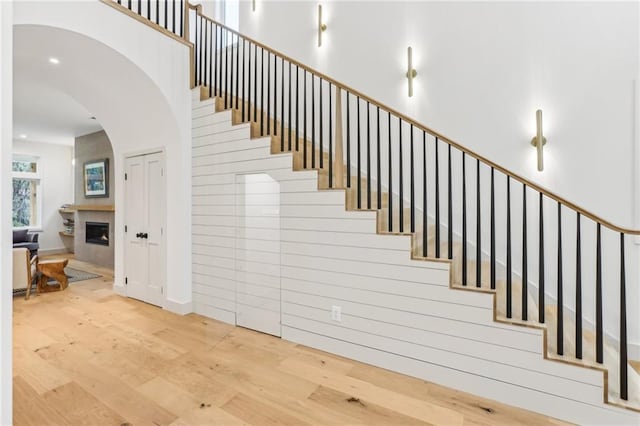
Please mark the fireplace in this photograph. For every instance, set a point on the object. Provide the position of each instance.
(97, 233)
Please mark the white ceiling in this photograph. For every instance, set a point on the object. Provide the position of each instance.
(41, 112)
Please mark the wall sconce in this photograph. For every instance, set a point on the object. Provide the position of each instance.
(321, 27)
(411, 72)
(253, 5)
(539, 140)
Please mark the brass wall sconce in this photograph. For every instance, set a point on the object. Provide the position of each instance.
(253, 5)
(411, 72)
(539, 140)
(321, 26)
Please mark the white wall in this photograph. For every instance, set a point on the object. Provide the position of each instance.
(397, 313)
(136, 82)
(483, 70)
(6, 130)
(56, 173)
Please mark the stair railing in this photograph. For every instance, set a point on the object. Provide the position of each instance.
(387, 152)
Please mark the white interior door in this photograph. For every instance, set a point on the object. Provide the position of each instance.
(144, 221)
(257, 253)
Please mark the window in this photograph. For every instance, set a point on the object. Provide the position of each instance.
(27, 205)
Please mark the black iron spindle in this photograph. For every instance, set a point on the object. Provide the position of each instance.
(478, 229)
(390, 212)
(413, 184)
(304, 125)
(449, 207)
(237, 69)
(492, 238)
(368, 158)
(181, 16)
(262, 93)
(281, 105)
(158, 16)
(541, 280)
(509, 277)
(255, 83)
(560, 323)
(321, 153)
(139, 7)
(166, 15)
(464, 220)
(358, 153)
(275, 95)
(378, 169)
(313, 122)
(437, 200)
(348, 142)
(226, 69)
(330, 139)
(578, 289)
(220, 87)
(525, 271)
(173, 15)
(269, 92)
(214, 53)
(244, 71)
(624, 391)
(206, 55)
(599, 323)
(289, 109)
(425, 224)
(297, 96)
(400, 178)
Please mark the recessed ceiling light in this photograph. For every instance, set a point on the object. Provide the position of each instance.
(23, 136)
(55, 61)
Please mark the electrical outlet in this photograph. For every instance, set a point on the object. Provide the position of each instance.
(336, 313)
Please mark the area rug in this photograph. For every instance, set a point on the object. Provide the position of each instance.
(74, 275)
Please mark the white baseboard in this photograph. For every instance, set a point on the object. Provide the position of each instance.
(48, 252)
(180, 308)
(120, 290)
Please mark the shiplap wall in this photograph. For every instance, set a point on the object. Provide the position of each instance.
(396, 313)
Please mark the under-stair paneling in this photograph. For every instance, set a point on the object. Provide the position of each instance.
(397, 313)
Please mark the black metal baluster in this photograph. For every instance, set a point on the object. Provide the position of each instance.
(149, 11)
(304, 126)
(599, 323)
(525, 272)
(541, 296)
(166, 15)
(206, 54)
(173, 15)
(220, 71)
(198, 51)
(400, 178)
(275, 99)
(255, 83)
(129, 4)
(449, 207)
(231, 73)
(269, 92)
(244, 71)
(139, 7)
(321, 153)
(378, 169)
(359, 168)
(237, 68)
(158, 16)
(289, 107)
(390, 224)
(181, 16)
(348, 142)
(214, 53)
(281, 105)
(464, 220)
(226, 69)
(262, 93)
(297, 96)
(425, 222)
(313, 122)
(437, 183)
(578, 289)
(478, 229)
(368, 157)
(492, 238)
(330, 139)
(509, 278)
(413, 185)
(624, 391)
(560, 331)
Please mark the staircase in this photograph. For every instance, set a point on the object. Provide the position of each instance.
(453, 203)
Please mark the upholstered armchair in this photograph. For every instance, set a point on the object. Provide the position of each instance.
(22, 238)
(25, 269)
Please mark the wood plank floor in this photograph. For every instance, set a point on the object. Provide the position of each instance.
(88, 356)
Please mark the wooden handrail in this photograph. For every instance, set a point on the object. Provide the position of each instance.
(420, 126)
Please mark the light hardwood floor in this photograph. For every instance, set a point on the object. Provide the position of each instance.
(87, 356)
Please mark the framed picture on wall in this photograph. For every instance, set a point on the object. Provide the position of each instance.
(96, 178)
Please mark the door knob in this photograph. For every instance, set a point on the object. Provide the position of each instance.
(139, 235)
(145, 235)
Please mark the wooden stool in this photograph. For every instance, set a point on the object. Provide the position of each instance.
(53, 268)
